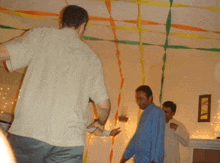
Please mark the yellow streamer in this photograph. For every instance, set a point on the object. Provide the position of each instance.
(186, 35)
(212, 8)
(67, 2)
(135, 29)
(24, 15)
(166, 4)
(139, 26)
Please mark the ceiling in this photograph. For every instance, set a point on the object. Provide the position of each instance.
(194, 26)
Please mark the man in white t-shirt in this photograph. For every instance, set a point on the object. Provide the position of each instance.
(175, 134)
(63, 73)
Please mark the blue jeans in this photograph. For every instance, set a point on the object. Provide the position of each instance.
(29, 150)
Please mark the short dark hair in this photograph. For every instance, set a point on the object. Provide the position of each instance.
(170, 104)
(74, 16)
(146, 89)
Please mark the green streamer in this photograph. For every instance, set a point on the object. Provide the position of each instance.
(92, 38)
(168, 23)
(8, 27)
(165, 46)
(171, 3)
(168, 26)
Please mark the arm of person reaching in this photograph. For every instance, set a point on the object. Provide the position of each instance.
(6, 153)
(97, 126)
(181, 133)
(103, 114)
(104, 110)
(4, 54)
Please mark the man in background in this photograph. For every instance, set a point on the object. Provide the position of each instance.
(147, 144)
(63, 73)
(175, 134)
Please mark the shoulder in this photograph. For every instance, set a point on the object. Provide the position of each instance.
(39, 31)
(90, 54)
(157, 110)
(177, 122)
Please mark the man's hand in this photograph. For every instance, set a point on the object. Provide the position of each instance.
(115, 132)
(97, 132)
(98, 127)
(173, 126)
(123, 160)
(96, 124)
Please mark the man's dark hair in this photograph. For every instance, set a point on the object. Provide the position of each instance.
(170, 104)
(146, 89)
(74, 16)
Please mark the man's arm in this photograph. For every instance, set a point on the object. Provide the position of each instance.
(104, 110)
(130, 150)
(4, 54)
(181, 133)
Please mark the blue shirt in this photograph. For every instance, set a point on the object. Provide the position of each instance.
(147, 143)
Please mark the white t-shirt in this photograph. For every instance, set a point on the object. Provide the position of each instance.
(172, 139)
(63, 73)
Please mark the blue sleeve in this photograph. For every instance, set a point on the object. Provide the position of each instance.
(130, 150)
(151, 138)
(158, 131)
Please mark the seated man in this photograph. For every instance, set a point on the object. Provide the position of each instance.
(175, 133)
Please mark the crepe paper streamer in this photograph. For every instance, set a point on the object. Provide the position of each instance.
(168, 26)
(39, 13)
(167, 4)
(217, 32)
(24, 15)
(112, 22)
(192, 36)
(186, 27)
(139, 25)
(67, 2)
(131, 42)
(87, 150)
(186, 35)
(90, 134)
(96, 18)
(211, 8)
(146, 22)
(3, 9)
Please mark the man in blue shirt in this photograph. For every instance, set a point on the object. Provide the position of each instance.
(147, 144)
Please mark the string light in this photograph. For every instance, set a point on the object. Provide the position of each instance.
(216, 123)
(202, 135)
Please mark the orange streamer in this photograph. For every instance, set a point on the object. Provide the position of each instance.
(4, 9)
(217, 32)
(111, 155)
(118, 54)
(40, 13)
(186, 27)
(96, 18)
(116, 118)
(145, 22)
(119, 98)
